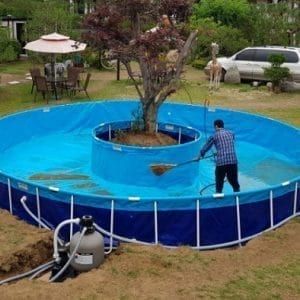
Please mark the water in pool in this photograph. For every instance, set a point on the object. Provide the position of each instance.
(64, 161)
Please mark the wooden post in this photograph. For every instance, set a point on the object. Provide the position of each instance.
(118, 69)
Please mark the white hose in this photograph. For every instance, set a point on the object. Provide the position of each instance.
(56, 231)
(71, 257)
(28, 273)
(123, 239)
(41, 271)
(23, 200)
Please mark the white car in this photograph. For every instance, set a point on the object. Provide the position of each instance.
(251, 62)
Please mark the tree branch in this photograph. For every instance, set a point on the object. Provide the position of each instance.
(130, 74)
(184, 53)
(173, 84)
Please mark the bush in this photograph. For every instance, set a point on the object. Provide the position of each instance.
(234, 13)
(9, 49)
(200, 63)
(17, 48)
(229, 39)
(276, 73)
(91, 57)
(8, 54)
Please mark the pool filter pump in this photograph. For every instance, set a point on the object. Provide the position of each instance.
(90, 252)
(84, 252)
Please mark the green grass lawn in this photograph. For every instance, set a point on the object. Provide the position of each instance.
(194, 89)
(18, 68)
(272, 282)
(285, 107)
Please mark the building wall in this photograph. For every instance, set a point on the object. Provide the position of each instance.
(12, 25)
(82, 6)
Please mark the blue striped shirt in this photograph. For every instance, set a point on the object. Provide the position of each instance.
(223, 140)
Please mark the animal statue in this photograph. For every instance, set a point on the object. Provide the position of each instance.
(165, 21)
(215, 70)
(171, 59)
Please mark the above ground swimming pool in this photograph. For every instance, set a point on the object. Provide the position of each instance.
(62, 159)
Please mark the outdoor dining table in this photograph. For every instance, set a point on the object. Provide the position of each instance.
(56, 82)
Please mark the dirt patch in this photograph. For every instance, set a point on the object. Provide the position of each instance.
(145, 139)
(6, 78)
(264, 268)
(23, 247)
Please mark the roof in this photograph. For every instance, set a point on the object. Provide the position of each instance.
(275, 47)
(12, 18)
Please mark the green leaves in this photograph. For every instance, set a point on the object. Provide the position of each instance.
(276, 73)
(229, 12)
(60, 20)
(9, 49)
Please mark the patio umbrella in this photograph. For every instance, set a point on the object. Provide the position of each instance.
(55, 43)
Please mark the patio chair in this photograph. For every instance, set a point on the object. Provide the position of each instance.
(84, 87)
(74, 70)
(33, 73)
(42, 87)
(72, 78)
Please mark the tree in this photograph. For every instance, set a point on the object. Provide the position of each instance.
(229, 39)
(273, 23)
(52, 16)
(124, 27)
(276, 73)
(16, 8)
(235, 13)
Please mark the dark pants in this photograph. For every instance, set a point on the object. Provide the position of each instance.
(231, 172)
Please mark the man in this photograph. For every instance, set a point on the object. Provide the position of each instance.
(226, 163)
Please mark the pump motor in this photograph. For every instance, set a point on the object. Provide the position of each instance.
(90, 253)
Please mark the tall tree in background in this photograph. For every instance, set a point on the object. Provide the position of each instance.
(17, 8)
(124, 27)
(235, 13)
(273, 23)
(226, 22)
(52, 16)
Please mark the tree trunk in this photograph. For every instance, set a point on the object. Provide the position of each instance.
(150, 116)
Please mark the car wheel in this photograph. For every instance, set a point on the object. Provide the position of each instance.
(222, 75)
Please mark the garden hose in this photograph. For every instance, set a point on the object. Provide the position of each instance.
(206, 105)
(209, 185)
(26, 274)
(188, 93)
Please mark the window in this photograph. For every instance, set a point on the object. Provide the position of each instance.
(290, 57)
(263, 55)
(245, 55)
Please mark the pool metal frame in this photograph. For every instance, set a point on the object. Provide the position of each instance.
(42, 221)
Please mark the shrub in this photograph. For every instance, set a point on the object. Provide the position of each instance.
(200, 63)
(229, 39)
(17, 48)
(9, 49)
(8, 54)
(91, 57)
(276, 73)
(228, 12)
